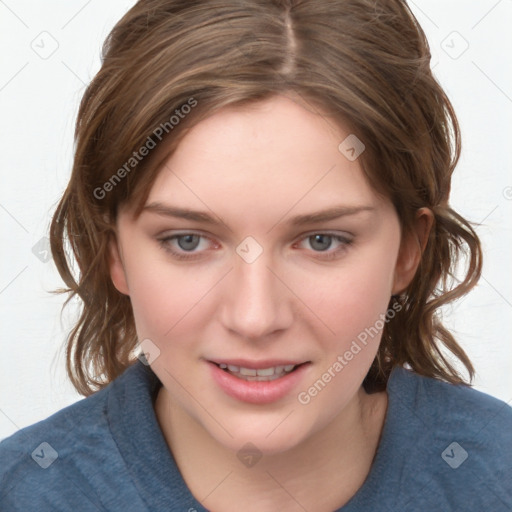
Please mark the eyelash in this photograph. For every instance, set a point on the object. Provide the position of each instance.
(324, 255)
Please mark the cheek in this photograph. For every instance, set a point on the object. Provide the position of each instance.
(355, 310)
(352, 298)
(165, 298)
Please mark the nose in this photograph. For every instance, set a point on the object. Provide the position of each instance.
(256, 302)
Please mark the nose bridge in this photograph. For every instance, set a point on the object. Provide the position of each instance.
(256, 302)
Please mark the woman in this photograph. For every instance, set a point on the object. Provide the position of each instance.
(259, 212)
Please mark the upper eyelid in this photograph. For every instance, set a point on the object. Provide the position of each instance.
(330, 232)
(337, 236)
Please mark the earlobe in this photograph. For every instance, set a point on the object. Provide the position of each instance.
(411, 250)
(116, 266)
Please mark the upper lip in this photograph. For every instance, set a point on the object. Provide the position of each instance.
(257, 365)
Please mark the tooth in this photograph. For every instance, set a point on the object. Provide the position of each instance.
(248, 371)
(267, 379)
(262, 379)
(266, 372)
(262, 374)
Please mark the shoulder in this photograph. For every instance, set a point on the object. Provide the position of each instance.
(63, 461)
(71, 422)
(29, 456)
(460, 438)
(460, 409)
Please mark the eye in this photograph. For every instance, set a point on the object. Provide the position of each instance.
(190, 246)
(188, 242)
(183, 246)
(323, 242)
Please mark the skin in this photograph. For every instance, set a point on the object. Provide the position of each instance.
(255, 168)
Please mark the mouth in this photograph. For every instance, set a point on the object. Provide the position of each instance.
(259, 372)
(258, 382)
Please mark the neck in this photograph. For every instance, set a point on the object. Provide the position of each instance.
(321, 473)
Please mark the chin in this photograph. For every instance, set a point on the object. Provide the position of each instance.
(270, 437)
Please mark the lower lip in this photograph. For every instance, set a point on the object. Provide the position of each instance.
(257, 392)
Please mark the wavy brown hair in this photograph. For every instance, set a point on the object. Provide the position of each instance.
(365, 63)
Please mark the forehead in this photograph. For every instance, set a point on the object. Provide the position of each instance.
(276, 128)
(269, 157)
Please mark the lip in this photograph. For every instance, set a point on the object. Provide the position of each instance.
(257, 392)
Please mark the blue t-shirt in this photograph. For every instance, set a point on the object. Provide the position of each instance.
(443, 448)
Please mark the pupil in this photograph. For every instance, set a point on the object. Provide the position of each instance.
(190, 242)
(324, 242)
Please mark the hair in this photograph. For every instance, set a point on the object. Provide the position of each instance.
(365, 63)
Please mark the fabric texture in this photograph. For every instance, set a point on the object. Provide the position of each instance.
(443, 448)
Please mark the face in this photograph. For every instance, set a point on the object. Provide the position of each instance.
(261, 246)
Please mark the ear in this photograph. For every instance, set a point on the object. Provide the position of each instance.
(411, 250)
(116, 266)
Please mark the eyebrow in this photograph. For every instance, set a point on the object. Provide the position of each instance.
(299, 220)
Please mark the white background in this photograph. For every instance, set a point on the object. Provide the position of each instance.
(39, 99)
